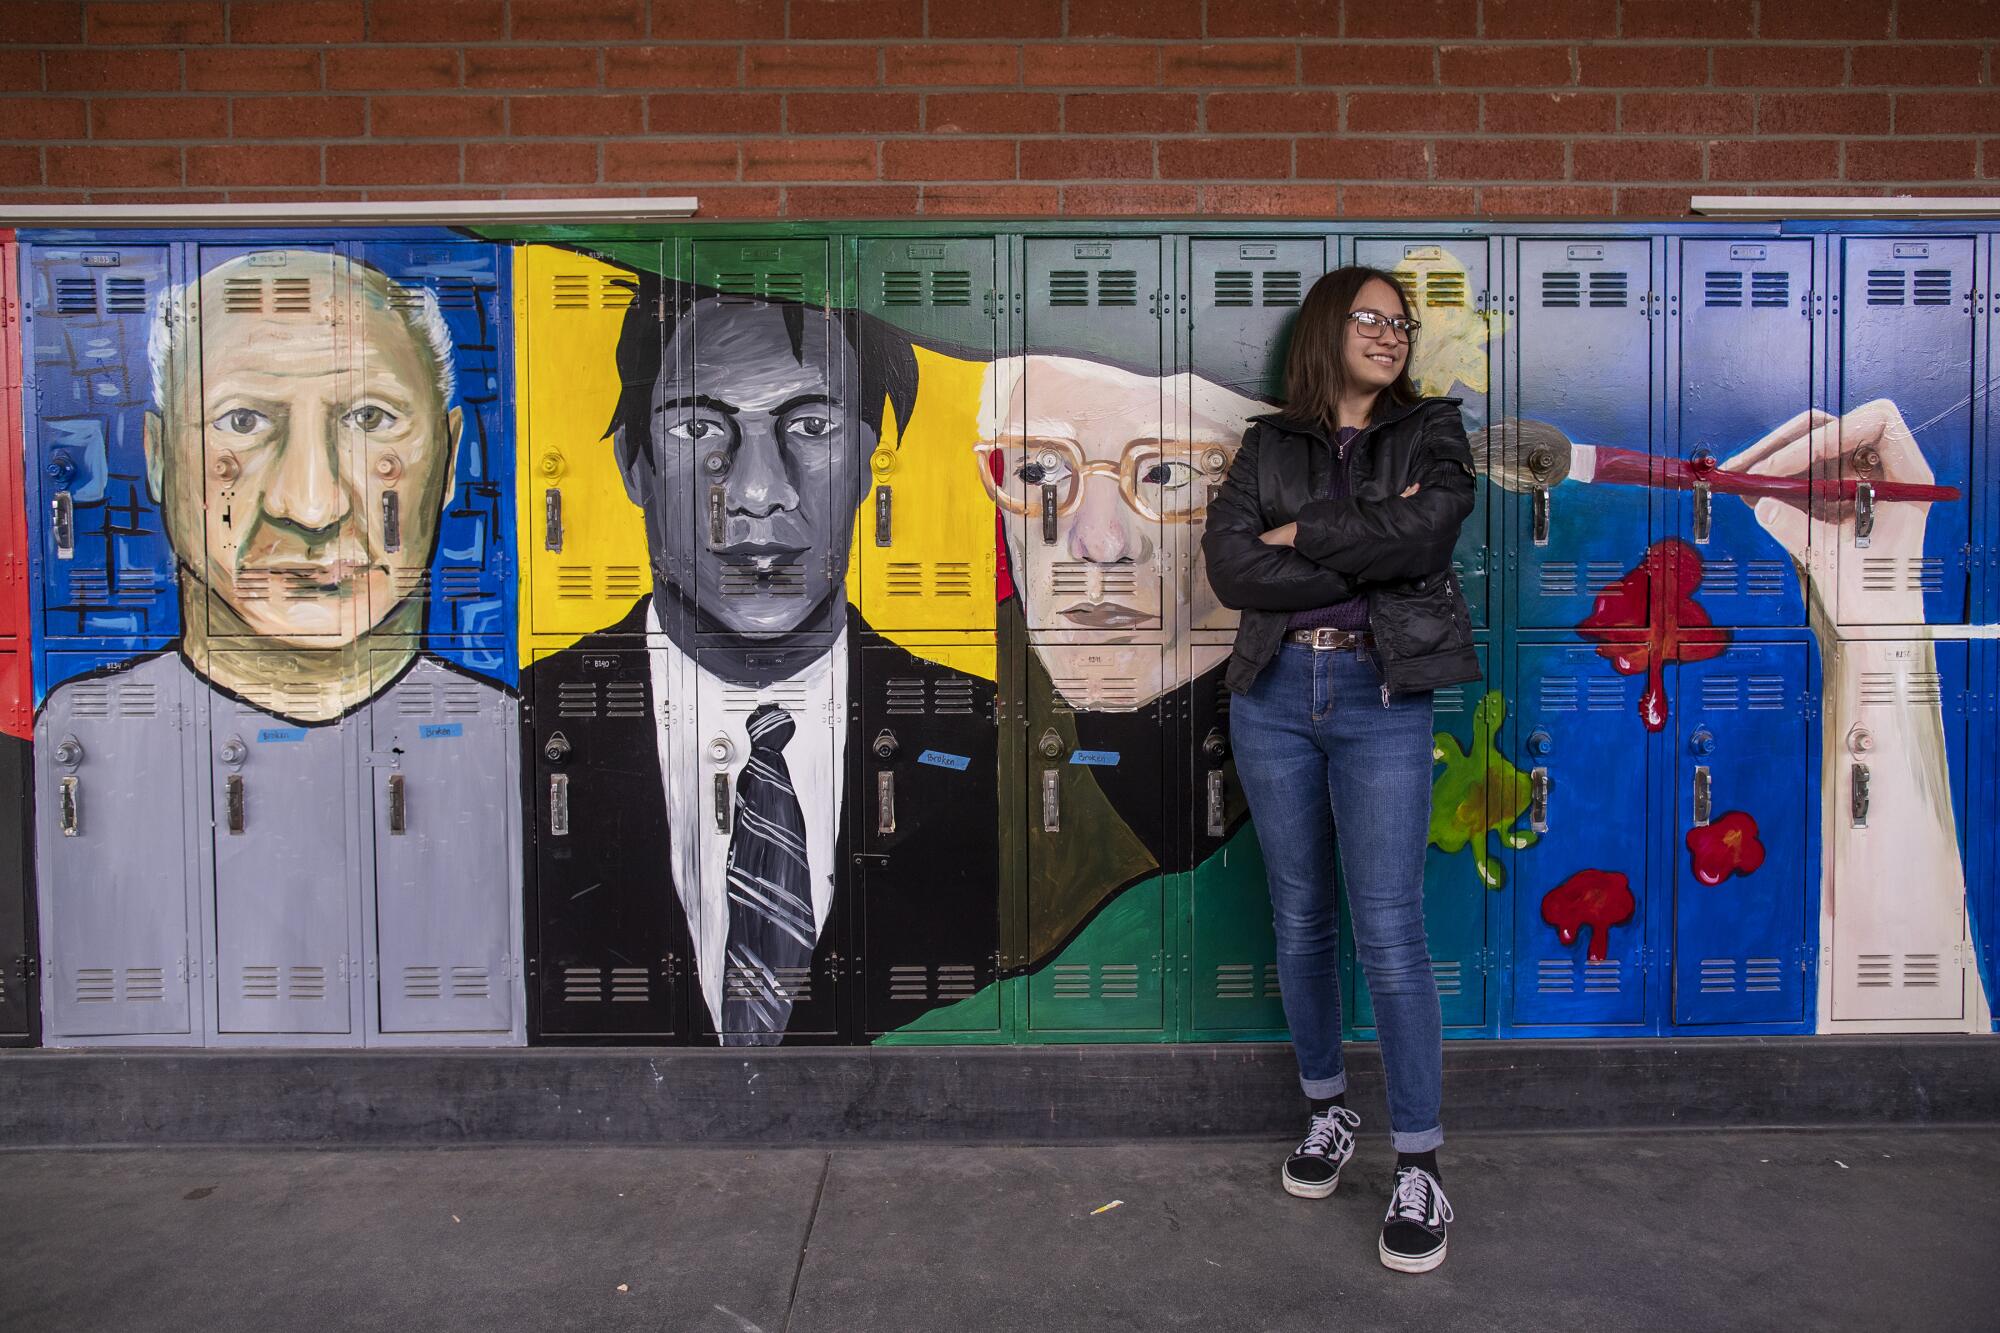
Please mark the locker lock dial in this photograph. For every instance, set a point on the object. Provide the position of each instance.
(62, 468)
(389, 467)
(1213, 746)
(69, 752)
(1702, 742)
(885, 744)
(557, 749)
(225, 467)
(720, 750)
(234, 752)
(1051, 744)
(717, 463)
(1860, 741)
(1539, 742)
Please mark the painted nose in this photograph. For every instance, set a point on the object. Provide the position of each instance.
(305, 489)
(760, 484)
(1103, 531)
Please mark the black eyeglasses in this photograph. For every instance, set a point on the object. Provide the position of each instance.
(1377, 326)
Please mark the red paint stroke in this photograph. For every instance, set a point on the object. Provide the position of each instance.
(1598, 899)
(1729, 846)
(1003, 573)
(1680, 631)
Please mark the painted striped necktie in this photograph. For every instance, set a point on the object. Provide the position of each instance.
(771, 929)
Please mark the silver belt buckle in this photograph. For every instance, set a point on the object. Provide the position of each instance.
(1325, 637)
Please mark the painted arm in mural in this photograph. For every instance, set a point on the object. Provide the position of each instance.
(1248, 572)
(1910, 779)
(1410, 535)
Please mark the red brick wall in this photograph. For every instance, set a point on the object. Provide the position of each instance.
(818, 108)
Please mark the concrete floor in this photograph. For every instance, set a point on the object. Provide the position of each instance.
(1872, 1229)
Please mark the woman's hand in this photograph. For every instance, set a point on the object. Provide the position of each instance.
(1280, 536)
(1410, 490)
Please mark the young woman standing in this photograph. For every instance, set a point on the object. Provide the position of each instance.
(1333, 535)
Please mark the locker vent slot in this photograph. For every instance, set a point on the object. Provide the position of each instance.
(946, 287)
(586, 985)
(740, 285)
(1283, 287)
(76, 296)
(423, 983)
(1558, 578)
(413, 584)
(96, 985)
(576, 698)
(267, 981)
(1246, 981)
(1604, 695)
(1889, 689)
(461, 582)
(914, 982)
(1114, 287)
(951, 696)
(905, 695)
(449, 293)
(782, 580)
(1608, 290)
(290, 698)
(1562, 976)
(630, 985)
(1072, 578)
(622, 581)
(1235, 288)
(1770, 288)
(286, 296)
(1449, 699)
(462, 699)
(788, 695)
(1562, 290)
(1599, 575)
(470, 983)
(1722, 287)
(1241, 288)
(947, 578)
(584, 291)
(622, 698)
(1931, 287)
(1437, 289)
(1450, 977)
(1920, 969)
(1069, 287)
(1885, 286)
(1879, 573)
(91, 699)
(1565, 694)
(1560, 694)
(124, 296)
(1101, 981)
(1104, 694)
(1762, 975)
(747, 983)
(1767, 693)
(99, 985)
(103, 699)
(1875, 970)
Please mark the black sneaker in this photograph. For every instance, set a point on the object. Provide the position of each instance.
(1413, 1232)
(1313, 1169)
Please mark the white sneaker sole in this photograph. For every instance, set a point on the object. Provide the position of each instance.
(1298, 1189)
(1406, 1264)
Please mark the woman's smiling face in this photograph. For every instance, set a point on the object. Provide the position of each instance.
(1375, 362)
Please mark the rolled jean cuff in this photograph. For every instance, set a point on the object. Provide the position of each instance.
(1326, 1087)
(1424, 1140)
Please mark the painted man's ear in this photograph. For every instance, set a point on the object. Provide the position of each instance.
(631, 465)
(455, 425)
(156, 451)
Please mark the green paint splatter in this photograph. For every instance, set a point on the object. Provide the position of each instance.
(1479, 790)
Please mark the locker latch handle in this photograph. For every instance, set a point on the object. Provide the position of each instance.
(1703, 496)
(1858, 795)
(1051, 800)
(882, 517)
(885, 801)
(1703, 795)
(398, 807)
(722, 803)
(392, 521)
(552, 525)
(62, 517)
(233, 801)
(1048, 513)
(1538, 800)
(68, 798)
(559, 805)
(1540, 504)
(1218, 821)
(717, 515)
(1864, 513)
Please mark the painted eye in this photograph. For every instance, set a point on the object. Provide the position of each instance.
(1036, 471)
(811, 427)
(369, 418)
(695, 429)
(1168, 474)
(241, 421)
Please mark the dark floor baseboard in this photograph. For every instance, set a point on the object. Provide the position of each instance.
(962, 1094)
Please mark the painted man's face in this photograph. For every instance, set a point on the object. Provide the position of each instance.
(759, 461)
(1101, 597)
(277, 436)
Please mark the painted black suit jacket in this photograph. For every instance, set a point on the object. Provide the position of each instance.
(914, 923)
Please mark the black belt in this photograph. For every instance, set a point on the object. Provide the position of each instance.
(1324, 639)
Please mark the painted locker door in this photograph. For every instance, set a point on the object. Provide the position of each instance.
(925, 829)
(286, 553)
(925, 540)
(106, 574)
(111, 822)
(763, 808)
(1449, 286)
(441, 793)
(1745, 361)
(1232, 955)
(1741, 805)
(1906, 389)
(1897, 931)
(1082, 424)
(17, 953)
(1473, 821)
(610, 951)
(1584, 448)
(1099, 839)
(1246, 294)
(771, 489)
(1580, 886)
(437, 449)
(572, 506)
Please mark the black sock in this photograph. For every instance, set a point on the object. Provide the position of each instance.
(1319, 1104)
(1427, 1160)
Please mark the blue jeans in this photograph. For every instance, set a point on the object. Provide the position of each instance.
(1318, 749)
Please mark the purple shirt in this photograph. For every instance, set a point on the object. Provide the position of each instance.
(1351, 614)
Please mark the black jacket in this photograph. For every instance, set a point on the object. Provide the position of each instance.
(1395, 550)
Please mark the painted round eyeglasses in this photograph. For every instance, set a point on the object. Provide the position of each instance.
(1167, 481)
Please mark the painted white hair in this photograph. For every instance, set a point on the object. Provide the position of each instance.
(421, 316)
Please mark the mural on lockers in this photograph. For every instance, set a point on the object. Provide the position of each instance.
(16, 942)
(273, 480)
(797, 537)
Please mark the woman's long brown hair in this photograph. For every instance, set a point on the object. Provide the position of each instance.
(1315, 370)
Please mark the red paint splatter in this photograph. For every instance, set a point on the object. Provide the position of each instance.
(1598, 899)
(1003, 573)
(1677, 630)
(1729, 846)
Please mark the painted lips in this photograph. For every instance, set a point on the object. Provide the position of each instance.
(1107, 615)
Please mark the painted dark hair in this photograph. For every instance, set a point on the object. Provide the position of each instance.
(1315, 368)
(887, 360)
